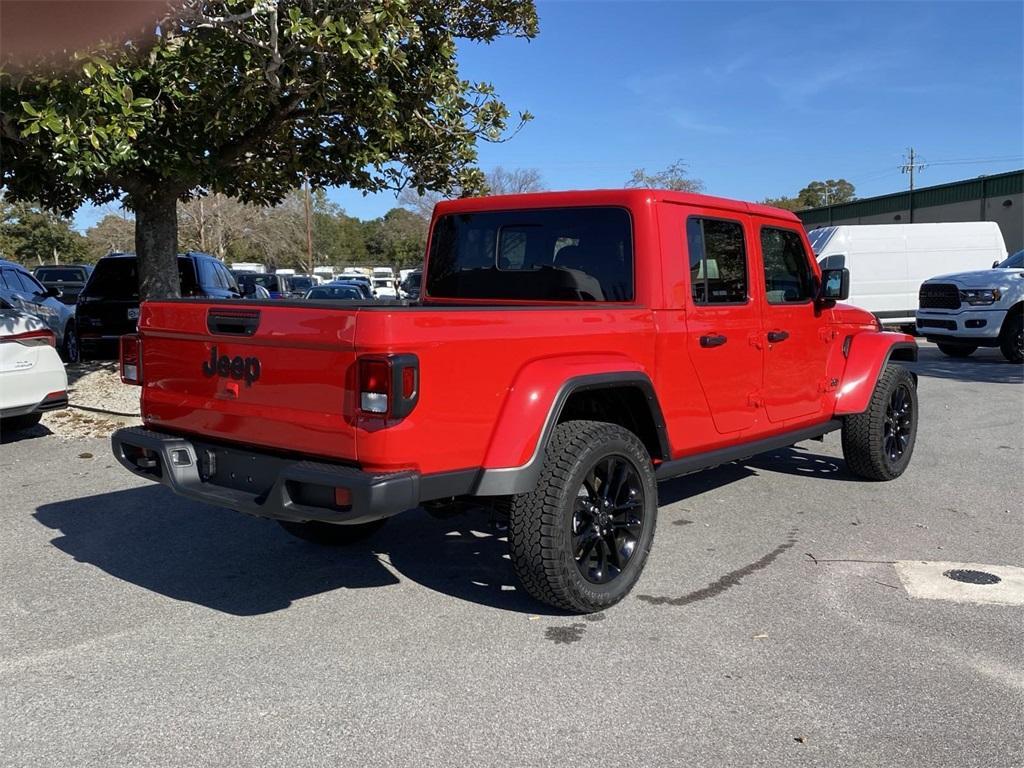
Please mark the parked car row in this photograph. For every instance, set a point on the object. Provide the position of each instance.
(32, 376)
(21, 291)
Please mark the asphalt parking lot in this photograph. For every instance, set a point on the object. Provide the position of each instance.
(770, 628)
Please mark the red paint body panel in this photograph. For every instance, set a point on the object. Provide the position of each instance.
(868, 353)
(489, 372)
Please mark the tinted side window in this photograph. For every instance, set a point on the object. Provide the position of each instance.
(207, 274)
(227, 278)
(718, 261)
(28, 283)
(187, 276)
(787, 270)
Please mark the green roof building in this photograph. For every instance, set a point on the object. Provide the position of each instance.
(998, 198)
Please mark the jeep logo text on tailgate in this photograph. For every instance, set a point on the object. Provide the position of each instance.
(237, 367)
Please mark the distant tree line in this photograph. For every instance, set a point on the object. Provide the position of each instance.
(235, 231)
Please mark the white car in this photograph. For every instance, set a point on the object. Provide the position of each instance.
(985, 308)
(32, 377)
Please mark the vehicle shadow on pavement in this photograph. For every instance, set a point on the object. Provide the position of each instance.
(790, 461)
(213, 557)
(245, 566)
(15, 435)
(986, 366)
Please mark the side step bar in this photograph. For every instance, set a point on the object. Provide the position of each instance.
(697, 462)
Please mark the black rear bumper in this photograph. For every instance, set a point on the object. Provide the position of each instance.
(266, 485)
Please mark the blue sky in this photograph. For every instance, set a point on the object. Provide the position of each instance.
(758, 98)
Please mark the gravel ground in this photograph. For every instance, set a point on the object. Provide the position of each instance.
(770, 628)
(98, 403)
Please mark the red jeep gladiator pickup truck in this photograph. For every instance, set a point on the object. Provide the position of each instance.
(568, 351)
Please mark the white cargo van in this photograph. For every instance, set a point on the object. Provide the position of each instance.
(888, 262)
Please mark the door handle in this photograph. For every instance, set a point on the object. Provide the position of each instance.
(774, 337)
(715, 340)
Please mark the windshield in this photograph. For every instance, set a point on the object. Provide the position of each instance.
(819, 238)
(118, 278)
(1016, 261)
(553, 254)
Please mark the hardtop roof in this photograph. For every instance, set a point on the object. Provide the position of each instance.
(629, 197)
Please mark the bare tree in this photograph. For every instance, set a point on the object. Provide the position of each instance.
(498, 181)
(675, 177)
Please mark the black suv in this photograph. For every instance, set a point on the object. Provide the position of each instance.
(108, 306)
(68, 280)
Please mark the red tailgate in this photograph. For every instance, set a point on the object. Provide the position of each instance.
(272, 376)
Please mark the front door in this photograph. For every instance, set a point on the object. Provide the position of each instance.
(797, 339)
(724, 323)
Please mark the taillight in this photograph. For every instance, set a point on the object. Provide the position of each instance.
(131, 359)
(388, 385)
(38, 338)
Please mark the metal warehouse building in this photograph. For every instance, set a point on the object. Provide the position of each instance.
(998, 198)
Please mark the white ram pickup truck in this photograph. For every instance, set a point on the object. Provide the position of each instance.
(966, 310)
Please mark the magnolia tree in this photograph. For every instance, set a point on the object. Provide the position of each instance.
(249, 99)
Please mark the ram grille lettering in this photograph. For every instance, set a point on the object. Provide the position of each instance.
(246, 369)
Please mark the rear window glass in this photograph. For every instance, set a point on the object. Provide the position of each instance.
(119, 279)
(60, 275)
(269, 282)
(302, 283)
(556, 254)
(335, 292)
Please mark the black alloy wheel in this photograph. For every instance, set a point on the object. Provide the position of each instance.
(898, 427)
(608, 519)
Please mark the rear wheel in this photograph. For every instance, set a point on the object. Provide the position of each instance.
(878, 443)
(580, 540)
(1011, 338)
(957, 350)
(20, 422)
(69, 349)
(329, 534)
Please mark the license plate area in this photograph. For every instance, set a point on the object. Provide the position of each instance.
(237, 469)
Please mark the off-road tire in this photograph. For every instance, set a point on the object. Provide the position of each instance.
(1011, 341)
(864, 434)
(956, 350)
(14, 423)
(329, 534)
(540, 531)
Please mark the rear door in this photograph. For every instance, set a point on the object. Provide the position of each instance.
(724, 323)
(797, 340)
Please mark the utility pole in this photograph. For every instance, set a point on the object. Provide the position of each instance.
(309, 226)
(910, 165)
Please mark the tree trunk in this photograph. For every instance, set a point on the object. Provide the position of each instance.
(156, 245)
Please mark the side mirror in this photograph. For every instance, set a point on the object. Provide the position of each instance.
(835, 285)
(53, 293)
(995, 264)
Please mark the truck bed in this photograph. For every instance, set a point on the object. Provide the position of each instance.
(303, 400)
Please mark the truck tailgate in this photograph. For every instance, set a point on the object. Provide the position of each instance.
(272, 376)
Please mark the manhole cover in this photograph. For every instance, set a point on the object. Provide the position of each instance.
(971, 577)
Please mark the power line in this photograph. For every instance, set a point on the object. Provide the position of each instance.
(910, 165)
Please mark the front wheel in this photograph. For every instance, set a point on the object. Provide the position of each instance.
(329, 534)
(1011, 339)
(580, 540)
(878, 443)
(957, 350)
